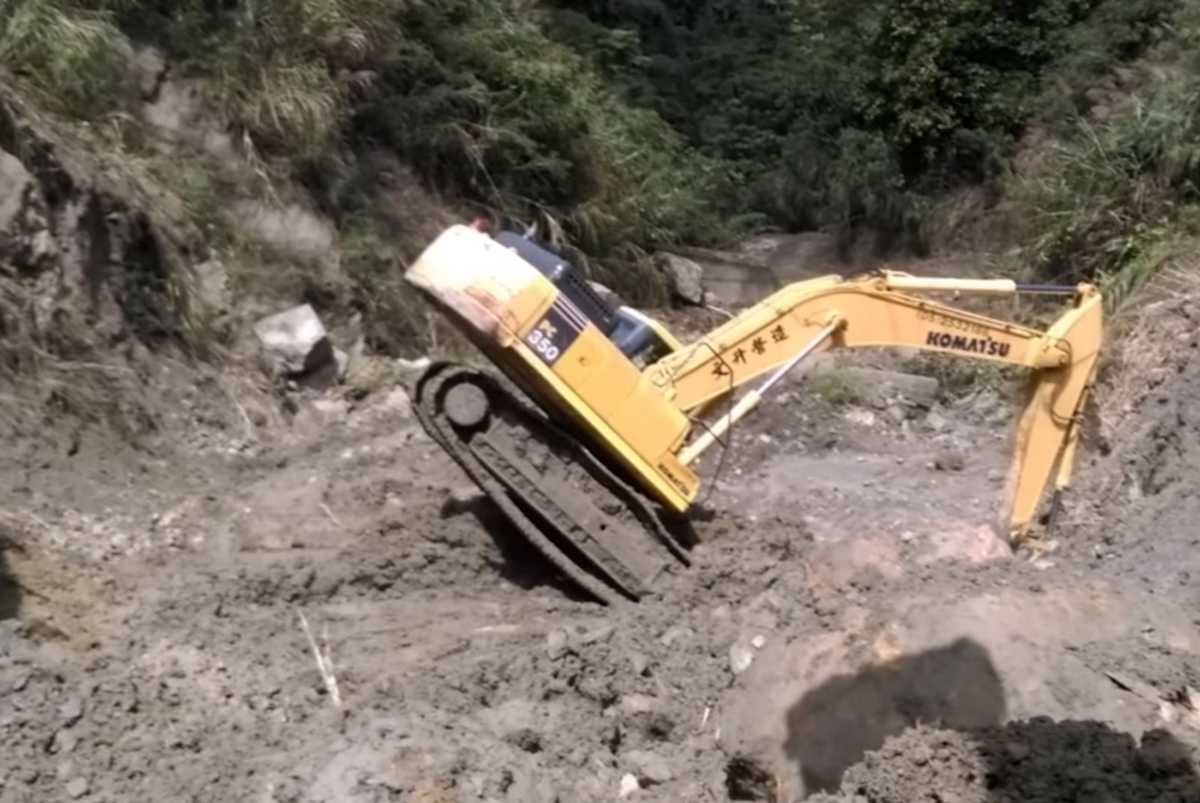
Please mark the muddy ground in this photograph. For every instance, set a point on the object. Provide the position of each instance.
(850, 626)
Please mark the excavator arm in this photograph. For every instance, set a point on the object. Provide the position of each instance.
(588, 436)
(774, 336)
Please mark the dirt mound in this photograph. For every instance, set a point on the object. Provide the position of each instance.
(461, 688)
(1138, 506)
(1037, 761)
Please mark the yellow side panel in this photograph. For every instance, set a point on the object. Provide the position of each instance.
(646, 423)
(682, 479)
(606, 393)
(594, 369)
(614, 390)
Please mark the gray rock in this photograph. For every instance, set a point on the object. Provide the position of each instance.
(607, 295)
(411, 370)
(465, 494)
(888, 387)
(397, 401)
(77, 788)
(212, 286)
(343, 363)
(295, 341)
(149, 69)
(71, 711)
(686, 277)
(530, 787)
(875, 387)
(949, 460)
(649, 768)
(556, 644)
(741, 655)
(935, 422)
(646, 715)
(14, 178)
(517, 722)
(290, 227)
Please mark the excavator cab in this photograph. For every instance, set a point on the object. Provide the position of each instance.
(640, 338)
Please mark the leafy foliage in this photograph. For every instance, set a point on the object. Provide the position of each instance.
(486, 108)
(856, 114)
(489, 109)
(1112, 199)
(72, 53)
(622, 127)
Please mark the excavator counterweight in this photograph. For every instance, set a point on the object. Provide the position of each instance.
(586, 437)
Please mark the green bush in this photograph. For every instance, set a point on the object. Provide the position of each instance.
(856, 116)
(485, 107)
(623, 127)
(1111, 199)
(71, 53)
(490, 109)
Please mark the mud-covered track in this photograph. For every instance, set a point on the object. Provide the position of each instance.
(600, 533)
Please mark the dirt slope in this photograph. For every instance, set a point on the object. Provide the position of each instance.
(159, 583)
(160, 652)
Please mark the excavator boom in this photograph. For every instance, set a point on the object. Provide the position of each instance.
(588, 446)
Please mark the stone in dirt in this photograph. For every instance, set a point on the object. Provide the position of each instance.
(14, 178)
(648, 768)
(411, 370)
(607, 294)
(77, 788)
(876, 387)
(295, 341)
(686, 278)
(881, 388)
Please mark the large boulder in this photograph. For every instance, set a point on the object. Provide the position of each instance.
(686, 278)
(295, 341)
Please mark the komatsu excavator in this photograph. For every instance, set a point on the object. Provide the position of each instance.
(588, 441)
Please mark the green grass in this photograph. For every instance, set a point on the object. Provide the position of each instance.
(497, 117)
(70, 52)
(472, 95)
(1112, 200)
(836, 387)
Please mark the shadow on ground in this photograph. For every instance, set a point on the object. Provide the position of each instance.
(836, 724)
(927, 727)
(10, 591)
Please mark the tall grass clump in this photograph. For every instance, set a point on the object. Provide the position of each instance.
(284, 71)
(487, 108)
(1113, 199)
(70, 53)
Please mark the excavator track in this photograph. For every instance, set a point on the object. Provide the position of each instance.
(593, 527)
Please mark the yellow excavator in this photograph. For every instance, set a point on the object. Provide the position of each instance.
(587, 442)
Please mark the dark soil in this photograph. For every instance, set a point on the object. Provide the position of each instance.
(1039, 761)
(159, 584)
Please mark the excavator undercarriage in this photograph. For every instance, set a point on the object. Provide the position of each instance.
(586, 434)
(588, 522)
